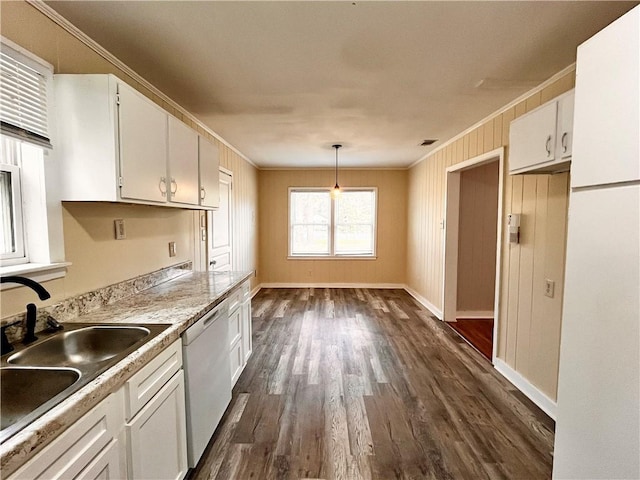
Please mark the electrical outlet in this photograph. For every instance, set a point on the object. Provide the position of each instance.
(118, 226)
(172, 249)
(549, 287)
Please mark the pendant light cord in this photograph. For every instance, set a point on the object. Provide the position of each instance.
(337, 147)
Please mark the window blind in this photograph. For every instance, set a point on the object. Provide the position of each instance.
(23, 100)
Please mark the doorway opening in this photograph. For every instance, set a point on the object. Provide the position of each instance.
(473, 246)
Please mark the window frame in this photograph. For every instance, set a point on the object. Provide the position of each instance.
(40, 190)
(20, 255)
(332, 255)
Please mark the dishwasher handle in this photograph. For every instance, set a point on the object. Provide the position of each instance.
(195, 330)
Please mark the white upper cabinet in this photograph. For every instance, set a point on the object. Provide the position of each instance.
(183, 163)
(607, 123)
(116, 145)
(541, 140)
(142, 137)
(209, 174)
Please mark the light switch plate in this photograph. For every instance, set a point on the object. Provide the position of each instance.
(172, 249)
(118, 226)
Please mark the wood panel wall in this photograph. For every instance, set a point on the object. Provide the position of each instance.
(529, 327)
(387, 268)
(245, 211)
(477, 239)
(98, 259)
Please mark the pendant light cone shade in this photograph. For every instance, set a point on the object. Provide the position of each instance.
(336, 189)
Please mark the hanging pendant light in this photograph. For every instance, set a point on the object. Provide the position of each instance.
(336, 189)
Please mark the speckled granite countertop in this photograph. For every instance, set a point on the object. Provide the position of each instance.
(179, 302)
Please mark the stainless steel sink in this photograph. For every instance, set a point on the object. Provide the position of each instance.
(83, 346)
(24, 389)
(37, 377)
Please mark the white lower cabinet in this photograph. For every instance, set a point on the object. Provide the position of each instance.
(240, 344)
(155, 414)
(137, 432)
(156, 436)
(90, 448)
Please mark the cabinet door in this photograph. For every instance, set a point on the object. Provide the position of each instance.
(110, 464)
(247, 345)
(565, 126)
(235, 355)
(209, 159)
(235, 325)
(157, 445)
(607, 117)
(183, 163)
(69, 454)
(532, 138)
(143, 147)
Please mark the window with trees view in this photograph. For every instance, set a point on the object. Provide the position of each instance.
(323, 226)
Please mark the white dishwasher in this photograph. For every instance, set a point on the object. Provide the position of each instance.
(205, 353)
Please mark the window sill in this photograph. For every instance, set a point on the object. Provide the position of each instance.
(39, 272)
(334, 257)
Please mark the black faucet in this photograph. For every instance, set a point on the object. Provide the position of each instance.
(31, 308)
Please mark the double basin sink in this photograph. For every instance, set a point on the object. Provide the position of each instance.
(37, 377)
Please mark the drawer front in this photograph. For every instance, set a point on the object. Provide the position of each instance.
(235, 326)
(246, 290)
(149, 380)
(234, 300)
(75, 449)
(236, 362)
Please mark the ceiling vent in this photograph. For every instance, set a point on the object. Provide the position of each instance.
(428, 142)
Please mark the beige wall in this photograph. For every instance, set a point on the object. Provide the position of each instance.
(387, 268)
(477, 237)
(529, 325)
(98, 259)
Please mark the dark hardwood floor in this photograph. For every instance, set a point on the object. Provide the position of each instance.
(366, 384)
(478, 332)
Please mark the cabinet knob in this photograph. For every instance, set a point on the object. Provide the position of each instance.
(203, 193)
(548, 146)
(563, 140)
(162, 186)
(174, 186)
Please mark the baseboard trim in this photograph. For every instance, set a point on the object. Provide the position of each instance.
(424, 302)
(475, 314)
(255, 290)
(536, 396)
(398, 286)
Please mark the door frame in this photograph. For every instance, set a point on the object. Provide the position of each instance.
(452, 216)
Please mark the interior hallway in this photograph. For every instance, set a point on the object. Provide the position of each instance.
(358, 383)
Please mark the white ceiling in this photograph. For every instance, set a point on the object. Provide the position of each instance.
(283, 81)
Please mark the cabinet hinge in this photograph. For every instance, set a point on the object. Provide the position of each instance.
(119, 181)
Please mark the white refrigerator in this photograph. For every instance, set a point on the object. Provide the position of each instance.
(598, 414)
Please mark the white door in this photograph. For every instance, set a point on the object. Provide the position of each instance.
(221, 228)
